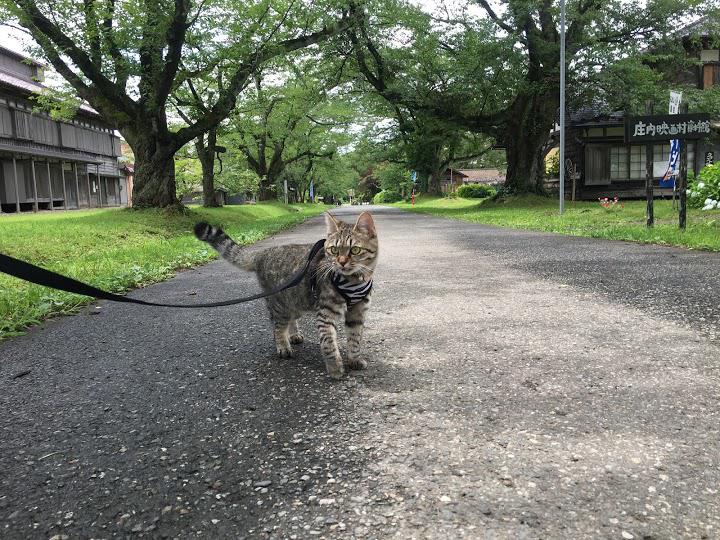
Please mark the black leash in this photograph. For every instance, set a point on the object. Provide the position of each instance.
(40, 276)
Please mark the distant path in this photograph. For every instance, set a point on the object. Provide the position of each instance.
(521, 385)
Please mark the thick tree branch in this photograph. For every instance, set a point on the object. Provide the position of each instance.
(122, 72)
(309, 154)
(474, 155)
(199, 103)
(56, 43)
(150, 50)
(175, 39)
(228, 96)
(497, 20)
(59, 64)
(92, 32)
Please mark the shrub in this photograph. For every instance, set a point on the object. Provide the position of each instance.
(704, 190)
(552, 166)
(475, 191)
(386, 196)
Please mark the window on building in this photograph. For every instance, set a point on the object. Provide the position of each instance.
(661, 157)
(5, 122)
(22, 125)
(45, 130)
(618, 163)
(691, 155)
(637, 162)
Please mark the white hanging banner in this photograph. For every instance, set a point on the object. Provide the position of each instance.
(675, 99)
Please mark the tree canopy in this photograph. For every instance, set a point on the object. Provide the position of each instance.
(494, 69)
(349, 94)
(125, 58)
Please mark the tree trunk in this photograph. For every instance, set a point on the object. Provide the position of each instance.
(154, 182)
(437, 168)
(265, 192)
(206, 155)
(525, 137)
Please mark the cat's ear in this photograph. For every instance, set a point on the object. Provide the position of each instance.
(366, 224)
(332, 224)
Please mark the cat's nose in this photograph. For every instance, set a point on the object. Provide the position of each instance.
(342, 260)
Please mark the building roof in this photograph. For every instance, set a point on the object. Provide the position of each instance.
(482, 174)
(702, 27)
(593, 115)
(8, 79)
(12, 80)
(455, 172)
(22, 57)
(24, 85)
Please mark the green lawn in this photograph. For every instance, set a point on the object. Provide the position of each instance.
(626, 222)
(117, 249)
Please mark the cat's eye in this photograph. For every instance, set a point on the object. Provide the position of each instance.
(355, 250)
(334, 250)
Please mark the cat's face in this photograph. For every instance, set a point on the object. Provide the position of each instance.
(351, 249)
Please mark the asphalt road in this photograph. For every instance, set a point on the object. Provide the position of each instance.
(521, 385)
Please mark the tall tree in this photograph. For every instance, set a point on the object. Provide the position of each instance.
(125, 59)
(498, 72)
(191, 102)
(284, 123)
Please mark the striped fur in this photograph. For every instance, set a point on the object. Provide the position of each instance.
(225, 246)
(275, 265)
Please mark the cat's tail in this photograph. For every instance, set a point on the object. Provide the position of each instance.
(225, 246)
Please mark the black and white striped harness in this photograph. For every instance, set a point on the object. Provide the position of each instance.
(353, 293)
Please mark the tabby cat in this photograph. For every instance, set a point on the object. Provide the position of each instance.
(338, 283)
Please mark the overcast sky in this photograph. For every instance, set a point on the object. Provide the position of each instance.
(13, 39)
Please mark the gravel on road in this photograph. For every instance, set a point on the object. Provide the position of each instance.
(521, 385)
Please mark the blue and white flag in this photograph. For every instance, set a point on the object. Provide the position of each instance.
(312, 191)
(674, 161)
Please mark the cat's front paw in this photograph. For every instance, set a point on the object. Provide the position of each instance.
(296, 339)
(335, 369)
(285, 352)
(356, 363)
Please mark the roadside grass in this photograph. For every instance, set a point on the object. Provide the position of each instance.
(582, 219)
(117, 250)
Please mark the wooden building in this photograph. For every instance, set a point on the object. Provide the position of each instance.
(606, 165)
(451, 179)
(47, 164)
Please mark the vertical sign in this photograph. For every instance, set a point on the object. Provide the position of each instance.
(312, 191)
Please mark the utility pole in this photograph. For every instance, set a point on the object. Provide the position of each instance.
(649, 195)
(562, 106)
(682, 179)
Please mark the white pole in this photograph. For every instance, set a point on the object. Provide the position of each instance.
(562, 106)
